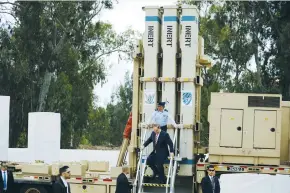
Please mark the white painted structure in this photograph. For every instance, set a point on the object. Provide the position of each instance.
(4, 127)
(177, 80)
(44, 131)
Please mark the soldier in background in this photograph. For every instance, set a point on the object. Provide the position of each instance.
(210, 183)
(61, 185)
(161, 117)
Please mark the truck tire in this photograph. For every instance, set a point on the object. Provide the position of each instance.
(32, 189)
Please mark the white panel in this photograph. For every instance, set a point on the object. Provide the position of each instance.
(170, 40)
(151, 45)
(170, 48)
(189, 50)
(254, 183)
(4, 127)
(44, 130)
(18, 155)
(151, 41)
(231, 125)
(265, 121)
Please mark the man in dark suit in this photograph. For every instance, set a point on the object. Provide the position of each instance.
(6, 180)
(161, 140)
(123, 185)
(210, 183)
(61, 185)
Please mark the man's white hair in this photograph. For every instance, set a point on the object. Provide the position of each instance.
(125, 168)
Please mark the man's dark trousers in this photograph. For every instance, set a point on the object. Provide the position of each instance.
(164, 128)
(157, 166)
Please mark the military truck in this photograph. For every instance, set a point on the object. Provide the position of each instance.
(249, 133)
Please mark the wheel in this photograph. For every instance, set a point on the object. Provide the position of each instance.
(199, 190)
(32, 189)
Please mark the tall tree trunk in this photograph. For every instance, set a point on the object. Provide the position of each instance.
(44, 90)
(258, 67)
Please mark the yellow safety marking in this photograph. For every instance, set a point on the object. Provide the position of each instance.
(232, 118)
(167, 79)
(155, 185)
(216, 167)
(188, 126)
(185, 79)
(148, 79)
(266, 119)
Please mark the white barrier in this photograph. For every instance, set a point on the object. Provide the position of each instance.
(254, 183)
(44, 131)
(4, 127)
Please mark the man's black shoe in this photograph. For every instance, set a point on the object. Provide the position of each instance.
(161, 181)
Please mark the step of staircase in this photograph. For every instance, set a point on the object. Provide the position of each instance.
(155, 185)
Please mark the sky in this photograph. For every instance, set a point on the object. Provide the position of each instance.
(127, 13)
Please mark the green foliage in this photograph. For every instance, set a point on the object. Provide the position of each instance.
(236, 34)
(119, 109)
(52, 61)
(98, 127)
(106, 125)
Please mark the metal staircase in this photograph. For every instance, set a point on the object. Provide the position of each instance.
(139, 177)
(171, 174)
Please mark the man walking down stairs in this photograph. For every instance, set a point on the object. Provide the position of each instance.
(161, 140)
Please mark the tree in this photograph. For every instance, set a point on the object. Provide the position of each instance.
(118, 110)
(98, 130)
(54, 59)
(235, 33)
(280, 25)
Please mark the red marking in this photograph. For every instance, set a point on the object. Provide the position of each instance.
(107, 180)
(128, 128)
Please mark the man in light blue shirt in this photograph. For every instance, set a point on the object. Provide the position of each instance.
(161, 117)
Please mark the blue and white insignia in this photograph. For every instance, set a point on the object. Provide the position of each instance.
(187, 98)
(149, 98)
